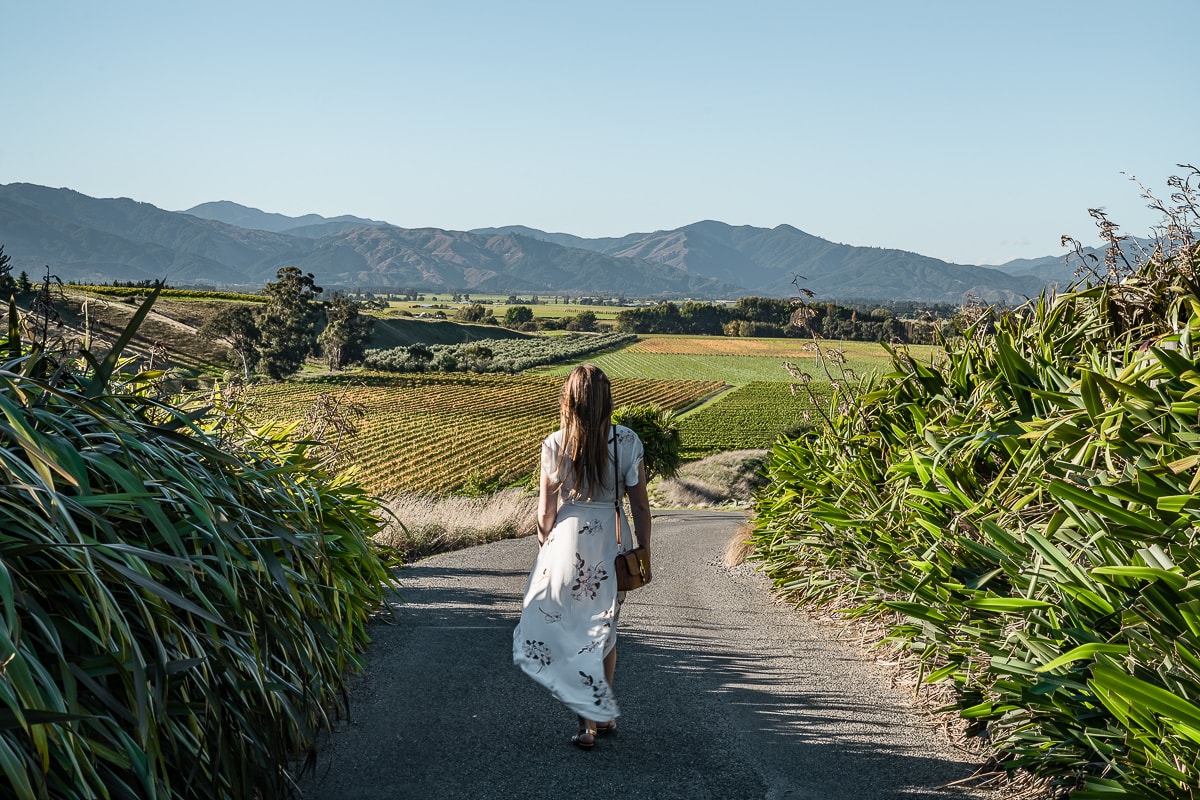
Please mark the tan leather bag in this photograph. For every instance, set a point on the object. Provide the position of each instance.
(633, 569)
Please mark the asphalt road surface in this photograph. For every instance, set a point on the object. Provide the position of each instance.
(724, 694)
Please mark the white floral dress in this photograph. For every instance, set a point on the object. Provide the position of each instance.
(569, 615)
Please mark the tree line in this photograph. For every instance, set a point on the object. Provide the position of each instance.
(767, 316)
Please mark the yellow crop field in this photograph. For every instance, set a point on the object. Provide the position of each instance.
(724, 346)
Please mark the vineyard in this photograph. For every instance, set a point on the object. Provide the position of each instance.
(435, 433)
(751, 416)
(494, 355)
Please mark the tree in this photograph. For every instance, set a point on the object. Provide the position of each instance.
(289, 322)
(473, 313)
(7, 284)
(347, 332)
(583, 321)
(705, 319)
(235, 324)
(515, 316)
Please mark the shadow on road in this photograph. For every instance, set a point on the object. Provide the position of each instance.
(707, 712)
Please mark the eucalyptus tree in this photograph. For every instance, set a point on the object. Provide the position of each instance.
(289, 322)
(235, 324)
(346, 333)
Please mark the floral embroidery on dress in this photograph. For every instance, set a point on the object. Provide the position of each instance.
(599, 688)
(591, 646)
(551, 618)
(539, 652)
(593, 526)
(587, 579)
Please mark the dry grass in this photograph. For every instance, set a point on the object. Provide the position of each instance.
(740, 546)
(421, 525)
(723, 480)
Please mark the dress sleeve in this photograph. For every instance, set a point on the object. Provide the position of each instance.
(550, 458)
(634, 460)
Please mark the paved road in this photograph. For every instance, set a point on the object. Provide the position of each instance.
(724, 695)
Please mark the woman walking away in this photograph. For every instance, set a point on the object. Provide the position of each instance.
(567, 637)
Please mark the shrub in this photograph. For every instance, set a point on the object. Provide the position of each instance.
(657, 429)
(1027, 506)
(182, 601)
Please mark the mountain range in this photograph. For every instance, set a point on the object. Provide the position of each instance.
(225, 244)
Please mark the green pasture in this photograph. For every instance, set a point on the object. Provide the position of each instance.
(737, 370)
(857, 358)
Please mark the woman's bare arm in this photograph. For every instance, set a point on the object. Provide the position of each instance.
(547, 508)
(639, 507)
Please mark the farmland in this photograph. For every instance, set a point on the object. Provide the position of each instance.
(739, 361)
(435, 433)
(438, 432)
(547, 308)
(749, 416)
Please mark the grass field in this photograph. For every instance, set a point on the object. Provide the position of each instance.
(630, 363)
(738, 361)
(170, 327)
(437, 433)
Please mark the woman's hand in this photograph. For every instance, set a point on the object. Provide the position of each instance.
(547, 508)
(639, 506)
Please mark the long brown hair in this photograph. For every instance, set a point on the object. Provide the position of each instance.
(584, 413)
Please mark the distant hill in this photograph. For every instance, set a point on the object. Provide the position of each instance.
(766, 260)
(309, 225)
(84, 238)
(1062, 269)
(437, 259)
(226, 244)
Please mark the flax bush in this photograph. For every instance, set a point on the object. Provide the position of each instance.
(1028, 505)
(181, 601)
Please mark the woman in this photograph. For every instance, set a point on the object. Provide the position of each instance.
(566, 639)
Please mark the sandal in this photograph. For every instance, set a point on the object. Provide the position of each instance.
(606, 727)
(585, 739)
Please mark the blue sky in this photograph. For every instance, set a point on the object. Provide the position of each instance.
(972, 132)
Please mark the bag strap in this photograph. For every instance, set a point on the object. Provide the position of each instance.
(617, 484)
